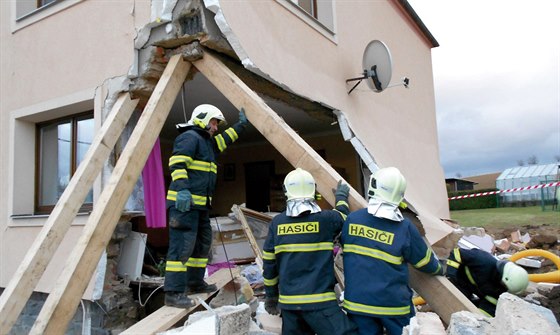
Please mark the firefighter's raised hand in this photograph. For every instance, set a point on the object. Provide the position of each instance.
(271, 305)
(342, 190)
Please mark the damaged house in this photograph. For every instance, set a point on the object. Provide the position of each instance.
(115, 77)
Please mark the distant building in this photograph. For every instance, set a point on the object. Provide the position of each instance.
(455, 185)
(484, 181)
(524, 176)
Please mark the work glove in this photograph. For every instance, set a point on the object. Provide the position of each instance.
(271, 305)
(242, 117)
(342, 190)
(183, 201)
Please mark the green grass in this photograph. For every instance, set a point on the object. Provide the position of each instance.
(506, 217)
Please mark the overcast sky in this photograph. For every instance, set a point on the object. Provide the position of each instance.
(497, 82)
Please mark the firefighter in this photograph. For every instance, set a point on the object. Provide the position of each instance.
(298, 260)
(482, 278)
(378, 242)
(189, 198)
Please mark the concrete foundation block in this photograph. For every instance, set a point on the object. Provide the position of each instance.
(467, 323)
(516, 316)
(425, 324)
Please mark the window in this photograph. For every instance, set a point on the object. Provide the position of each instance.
(61, 146)
(310, 6)
(317, 13)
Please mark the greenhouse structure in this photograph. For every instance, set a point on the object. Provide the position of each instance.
(528, 178)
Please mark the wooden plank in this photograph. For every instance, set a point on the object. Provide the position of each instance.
(28, 274)
(62, 302)
(241, 217)
(439, 293)
(166, 317)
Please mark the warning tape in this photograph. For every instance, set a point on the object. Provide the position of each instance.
(534, 187)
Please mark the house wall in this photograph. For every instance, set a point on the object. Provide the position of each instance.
(398, 126)
(52, 64)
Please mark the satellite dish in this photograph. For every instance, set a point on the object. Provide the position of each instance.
(377, 65)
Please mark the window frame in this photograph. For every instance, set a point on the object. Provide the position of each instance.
(73, 119)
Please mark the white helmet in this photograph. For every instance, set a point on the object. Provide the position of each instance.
(387, 184)
(202, 115)
(299, 184)
(515, 278)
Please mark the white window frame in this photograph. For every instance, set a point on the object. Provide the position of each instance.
(324, 24)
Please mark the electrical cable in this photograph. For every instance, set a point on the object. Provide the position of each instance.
(227, 259)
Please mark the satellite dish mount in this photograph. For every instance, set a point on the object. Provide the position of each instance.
(378, 68)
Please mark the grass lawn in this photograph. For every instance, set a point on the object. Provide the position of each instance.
(506, 217)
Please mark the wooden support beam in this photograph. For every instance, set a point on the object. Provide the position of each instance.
(166, 317)
(249, 233)
(62, 302)
(26, 277)
(437, 291)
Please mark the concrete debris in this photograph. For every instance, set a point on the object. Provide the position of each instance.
(467, 323)
(425, 324)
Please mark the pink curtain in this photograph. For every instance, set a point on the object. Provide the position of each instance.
(154, 189)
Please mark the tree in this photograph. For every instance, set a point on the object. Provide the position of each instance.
(532, 160)
(458, 175)
(520, 162)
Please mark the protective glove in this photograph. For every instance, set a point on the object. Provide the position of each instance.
(342, 190)
(183, 201)
(242, 117)
(271, 305)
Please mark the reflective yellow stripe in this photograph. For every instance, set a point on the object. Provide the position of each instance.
(468, 272)
(485, 313)
(306, 298)
(271, 282)
(180, 159)
(197, 262)
(303, 247)
(341, 214)
(376, 310)
(203, 166)
(453, 264)
(220, 142)
(374, 253)
(173, 266)
(232, 134)
(457, 255)
(179, 174)
(341, 203)
(268, 256)
(196, 199)
(491, 300)
(438, 269)
(424, 260)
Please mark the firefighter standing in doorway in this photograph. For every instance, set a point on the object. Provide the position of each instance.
(378, 242)
(298, 260)
(482, 278)
(193, 173)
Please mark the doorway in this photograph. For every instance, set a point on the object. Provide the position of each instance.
(258, 176)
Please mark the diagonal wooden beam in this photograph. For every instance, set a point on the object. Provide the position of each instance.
(26, 277)
(438, 291)
(62, 302)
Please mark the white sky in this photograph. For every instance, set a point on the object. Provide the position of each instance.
(497, 82)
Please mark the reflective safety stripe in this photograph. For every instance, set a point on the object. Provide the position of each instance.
(268, 256)
(197, 262)
(376, 310)
(341, 214)
(469, 275)
(306, 298)
(491, 300)
(341, 203)
(174, 266)
(485, 312)
(424, 260)
(271, 282)
(438, 269)
(179, 174)
(220, 142)
(232, 134)
(457, 255)
(203, 166)
(180, 159)
(453, 264)
(374, 253)
(303, 247)
(196, 199)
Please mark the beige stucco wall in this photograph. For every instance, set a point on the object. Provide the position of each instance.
(398, 126)
(51, 64)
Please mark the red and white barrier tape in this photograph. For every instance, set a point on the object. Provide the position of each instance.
(505, 191)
